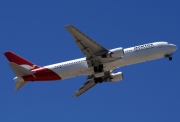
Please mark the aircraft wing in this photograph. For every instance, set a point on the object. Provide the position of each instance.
(86, 86)
(89, 47)
(90, 83)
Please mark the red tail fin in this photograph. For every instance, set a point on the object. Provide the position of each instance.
(20, 61)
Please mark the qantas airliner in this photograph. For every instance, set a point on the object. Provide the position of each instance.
(98, 64)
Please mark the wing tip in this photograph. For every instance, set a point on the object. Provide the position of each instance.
(74, 96)
(69, 25)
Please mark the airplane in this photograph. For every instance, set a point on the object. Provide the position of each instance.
(99, 63)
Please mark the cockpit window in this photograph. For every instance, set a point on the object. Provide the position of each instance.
(168, 43)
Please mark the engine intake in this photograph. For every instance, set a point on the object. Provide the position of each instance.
(115, 77)
(115, 53)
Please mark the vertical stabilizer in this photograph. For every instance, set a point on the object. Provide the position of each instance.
(20, 61)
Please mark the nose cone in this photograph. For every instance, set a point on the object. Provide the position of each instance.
(174, 47)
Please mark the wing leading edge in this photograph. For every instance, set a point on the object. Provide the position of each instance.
(86, 44)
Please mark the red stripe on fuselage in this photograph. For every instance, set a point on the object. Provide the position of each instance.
(42, 74)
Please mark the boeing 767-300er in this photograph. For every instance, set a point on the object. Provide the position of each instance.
(98, 64)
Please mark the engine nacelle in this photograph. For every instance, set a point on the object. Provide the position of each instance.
(115, 77)
(116, 53)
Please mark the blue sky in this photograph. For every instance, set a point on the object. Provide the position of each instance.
(35, 30)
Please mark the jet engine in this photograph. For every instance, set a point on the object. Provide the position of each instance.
(115, 53)
(115, 77)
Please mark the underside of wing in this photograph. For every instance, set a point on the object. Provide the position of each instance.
(86, 86)
(90, 82)
(86, 44)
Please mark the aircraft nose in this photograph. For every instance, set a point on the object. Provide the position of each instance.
(174, 47)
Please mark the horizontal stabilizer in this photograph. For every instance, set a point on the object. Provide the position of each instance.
(19, 85)
(19, 70)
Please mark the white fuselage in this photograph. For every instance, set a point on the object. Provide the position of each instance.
(132, 55)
